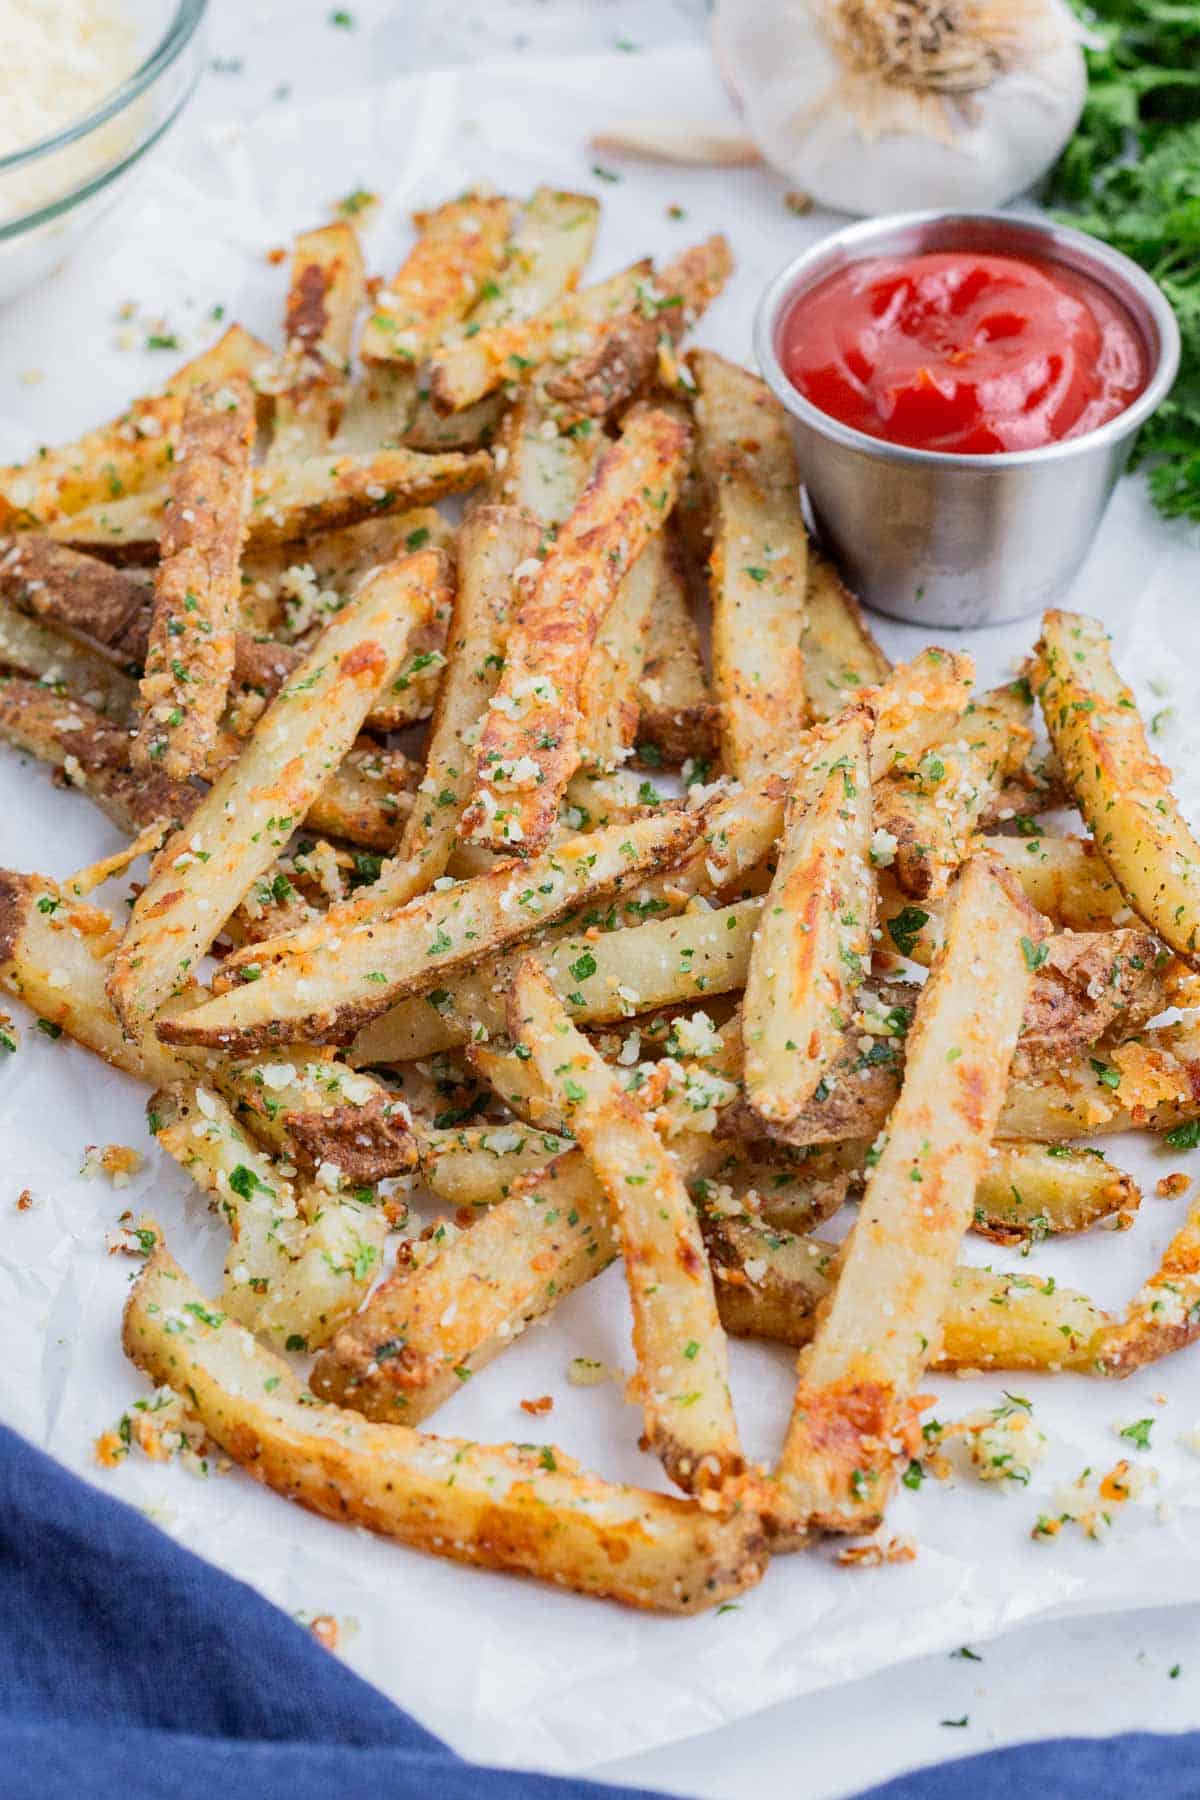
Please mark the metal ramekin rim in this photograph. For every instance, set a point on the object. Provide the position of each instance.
(184, 23)
(854, 243)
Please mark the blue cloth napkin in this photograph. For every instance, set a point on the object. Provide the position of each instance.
(131, 1670)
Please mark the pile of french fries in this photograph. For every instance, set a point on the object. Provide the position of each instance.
(611, 955)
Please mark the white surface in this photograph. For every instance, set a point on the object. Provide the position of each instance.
(502, 1669)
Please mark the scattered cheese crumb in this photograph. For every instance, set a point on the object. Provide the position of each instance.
(118, 1161)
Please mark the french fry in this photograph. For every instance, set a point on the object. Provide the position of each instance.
(1032, 1191)
(694, 956)
(458, 248)
(190, 655)
(290, 500)
(367, 798)
(932, 810)
(81, 593)
(287, 589)
(1151, 1082)
(480, 1165)
(65, 663)
(316, 1111)
(471, 368)
(840, 655)
(1164, 1315)
(683, 1370)
(93, 754)
(917, 703)
(249, 813)
(608, 693)
(679, 718)
(1066, 878)
(528, 1511)
(1120, 787)
(539, 467)
(311, 997)
(299, 1262)
(326, 291)
(132, 452)
(813, 942)
(528, 750)
(858, 1377)
(758, 566)
(991, 1321)
(54, 955)
(624, 349)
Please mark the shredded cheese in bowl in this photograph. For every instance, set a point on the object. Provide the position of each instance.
(61, 59)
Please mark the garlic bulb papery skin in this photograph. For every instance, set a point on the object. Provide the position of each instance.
(875, 106)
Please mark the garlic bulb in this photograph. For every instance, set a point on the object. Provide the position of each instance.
(876, 106)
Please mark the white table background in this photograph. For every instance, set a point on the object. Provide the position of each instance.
(1096, 1675)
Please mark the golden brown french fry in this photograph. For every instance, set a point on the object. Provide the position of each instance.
(1120, 787)
(539, 466)
(288, 589)
(480, 1165)
(316, 1111)
(1151, 1082)
(1164, 1315)
(469, 369)
(991, 1321)
(250, 812)
(1066, 878)
(190, 655)
(66, 663)
(530, 1511)
(608, 692)
(840, 655)
(1031, 1191)
(132, 452)
(683, 1366)
(326, 290)
(621, 353)
(918, 703)
(758, 567)
(529, 747)
(679, 718)
(458, 248)
(81, 593)
(54, 955)
(614, 975)
(367, 798)
(871, 1346)
(308, 995)
(299, 1260)
(290, 500)
(812, 947)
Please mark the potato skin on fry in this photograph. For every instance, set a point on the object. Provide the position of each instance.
(530, 1511)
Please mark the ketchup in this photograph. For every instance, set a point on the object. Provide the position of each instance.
(958, 352)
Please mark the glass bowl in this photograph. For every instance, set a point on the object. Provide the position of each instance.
(55, 191)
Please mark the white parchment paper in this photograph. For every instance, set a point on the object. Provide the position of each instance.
(504, 1669)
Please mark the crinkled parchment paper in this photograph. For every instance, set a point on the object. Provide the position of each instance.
(504, 1669)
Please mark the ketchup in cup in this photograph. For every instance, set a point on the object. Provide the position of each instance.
(960, 352)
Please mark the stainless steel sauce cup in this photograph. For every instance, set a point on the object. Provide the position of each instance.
(948, 539)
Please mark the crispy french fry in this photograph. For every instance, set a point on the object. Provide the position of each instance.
(190, 655)
(1032, 1191)
(871, 1346)
(1164, 1315)
(250, 812)
(306, 995)
(79, 592)
(991, 1321)
(1066, 878)
(840, 655)
(468, 370)
(367, 798)
(65, 663)
(529, 1511)
(683, 1369)
(132, 452)
(290, 500)
(538, 466)
(623, 352)
(528, 750)
(326, 290)
(458, 248)
(93, 754)
(918, 703)
(479, 1165)
(1120, 787)
(54, 955)
(813, 942)
(608, 693)
(316, 1112)
(679, 717)
(759, 564)
(1151, 1082)
(299, 1261)
(288, 589)
(694, 956)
